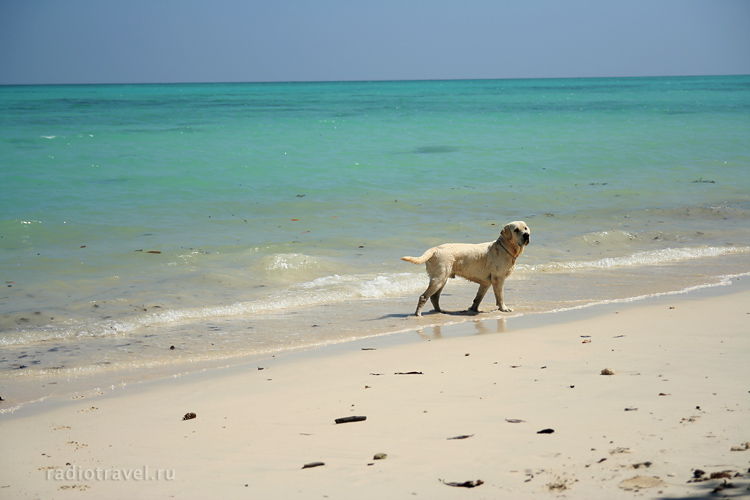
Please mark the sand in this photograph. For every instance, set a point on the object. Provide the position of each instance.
(678, 401)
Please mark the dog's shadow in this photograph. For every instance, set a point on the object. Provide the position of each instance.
(465, 312)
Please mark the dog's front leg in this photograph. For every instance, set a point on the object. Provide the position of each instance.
(498, 284)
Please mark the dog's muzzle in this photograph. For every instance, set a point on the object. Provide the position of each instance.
(526, 238)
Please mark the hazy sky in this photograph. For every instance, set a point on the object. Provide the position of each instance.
(144, 41)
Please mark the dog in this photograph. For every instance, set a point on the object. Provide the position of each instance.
(487, 264)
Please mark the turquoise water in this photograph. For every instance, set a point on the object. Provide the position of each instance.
(248, 219)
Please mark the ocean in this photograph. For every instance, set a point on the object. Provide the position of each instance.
(159, 229)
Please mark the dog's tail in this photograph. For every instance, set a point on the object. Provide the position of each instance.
(421, 260)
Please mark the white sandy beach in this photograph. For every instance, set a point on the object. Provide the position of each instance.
(679, 401)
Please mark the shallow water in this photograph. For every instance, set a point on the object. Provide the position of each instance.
(233, 220)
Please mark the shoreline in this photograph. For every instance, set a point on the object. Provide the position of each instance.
(81, 385)
(678, 402)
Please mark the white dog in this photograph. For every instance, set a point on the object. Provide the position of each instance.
(488, 264)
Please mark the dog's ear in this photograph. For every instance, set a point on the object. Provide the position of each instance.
(506, 234)
(507, 240)
(503, 234)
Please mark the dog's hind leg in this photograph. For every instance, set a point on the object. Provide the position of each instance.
(435, 287)
(436, 299)
(480, 295)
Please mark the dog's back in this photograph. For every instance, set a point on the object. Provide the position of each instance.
(462, 259)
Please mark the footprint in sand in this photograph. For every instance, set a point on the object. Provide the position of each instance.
(79, 487)
(641, 482)
(77, 445)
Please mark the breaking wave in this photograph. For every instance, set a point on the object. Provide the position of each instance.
(649, 258)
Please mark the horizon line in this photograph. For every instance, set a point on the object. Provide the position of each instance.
(385, 80)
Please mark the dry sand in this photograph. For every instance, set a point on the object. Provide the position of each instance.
(678, 401)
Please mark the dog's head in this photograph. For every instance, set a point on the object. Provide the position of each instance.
(516, 236)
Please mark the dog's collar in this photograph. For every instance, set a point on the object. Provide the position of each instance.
(508, 251)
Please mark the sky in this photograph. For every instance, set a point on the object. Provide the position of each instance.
(181, 41)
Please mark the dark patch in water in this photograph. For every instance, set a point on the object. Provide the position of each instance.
(117, 180)
(424, 150)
